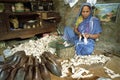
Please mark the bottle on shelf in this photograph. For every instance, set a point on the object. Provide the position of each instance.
(13, 8)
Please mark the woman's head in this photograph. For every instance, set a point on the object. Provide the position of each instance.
(86, 11)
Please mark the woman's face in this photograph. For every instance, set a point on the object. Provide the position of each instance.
(85, 11)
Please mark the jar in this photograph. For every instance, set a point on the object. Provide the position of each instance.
(19, 7)
(13, 8)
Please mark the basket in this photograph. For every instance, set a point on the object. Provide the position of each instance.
(66, 52)
(62, 51)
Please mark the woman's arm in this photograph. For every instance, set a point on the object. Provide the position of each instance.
(96, 29)
(92, 36)
(77, 32)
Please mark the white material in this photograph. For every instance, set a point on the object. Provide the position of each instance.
(75, 62)
(72, 2)
(80, 38)
(79, 73)
(92, 2)
(66, 44)
(36, 47)
(111, 73)
(85, 40)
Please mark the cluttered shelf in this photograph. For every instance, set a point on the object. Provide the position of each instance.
(28, 32)
(35, 26)
(26, 18)
(15, 0)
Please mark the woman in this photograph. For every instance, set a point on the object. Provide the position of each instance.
(86, 30)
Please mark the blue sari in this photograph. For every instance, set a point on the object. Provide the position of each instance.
(90, 25)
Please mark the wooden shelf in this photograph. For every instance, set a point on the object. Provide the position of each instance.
(46, 21)
(6, 1)
(26, 33)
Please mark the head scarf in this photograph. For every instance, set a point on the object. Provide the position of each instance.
(84, 26)
(85, 4)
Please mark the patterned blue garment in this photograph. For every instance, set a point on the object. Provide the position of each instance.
(90, 25)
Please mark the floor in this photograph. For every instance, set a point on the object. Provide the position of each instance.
(96, 69)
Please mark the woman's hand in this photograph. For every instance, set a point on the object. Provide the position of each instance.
(93, 36)
(77, 32)
(86, 35)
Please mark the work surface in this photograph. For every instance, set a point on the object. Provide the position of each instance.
(96, 69)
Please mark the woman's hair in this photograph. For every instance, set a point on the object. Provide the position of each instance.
(87, 6)
(90, 7)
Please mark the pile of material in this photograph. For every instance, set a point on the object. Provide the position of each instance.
(35, 59)
(35, 47)
(20, 66)
(73, 65)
